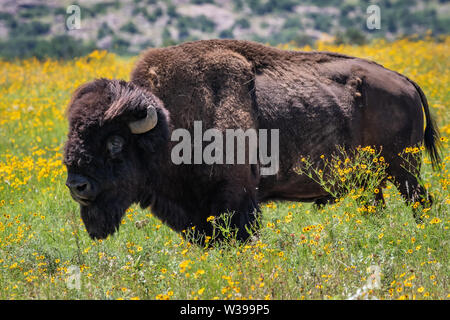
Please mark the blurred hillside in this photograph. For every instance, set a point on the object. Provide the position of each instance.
(38, 27)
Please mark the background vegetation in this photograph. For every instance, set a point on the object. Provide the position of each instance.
(301, 252)
(38, 28)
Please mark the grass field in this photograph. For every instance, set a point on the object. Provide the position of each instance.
(302, 252)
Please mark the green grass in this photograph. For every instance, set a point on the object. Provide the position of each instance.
(301, 252)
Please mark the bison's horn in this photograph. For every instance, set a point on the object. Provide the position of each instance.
(146, 124)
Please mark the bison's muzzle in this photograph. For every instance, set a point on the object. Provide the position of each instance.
(81, 188)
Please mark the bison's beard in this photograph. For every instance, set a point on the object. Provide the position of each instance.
(103, 217)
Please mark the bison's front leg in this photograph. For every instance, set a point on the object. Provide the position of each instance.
(230, 78)
(236, 213)
(245, 219)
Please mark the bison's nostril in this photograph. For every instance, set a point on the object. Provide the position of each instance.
(82, 187)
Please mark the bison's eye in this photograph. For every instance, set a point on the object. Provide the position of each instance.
(115, 145)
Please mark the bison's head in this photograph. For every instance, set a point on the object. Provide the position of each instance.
(117, 134)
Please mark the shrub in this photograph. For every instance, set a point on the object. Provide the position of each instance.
(62, 47)
(119, 45)
(242, 23)
(205, 24)
(172, 11)
(104, 31)
(293, 22)
(152, 17)
(129, 27)
(351, 36)
(34, 28)
(34, 11)
(167, 39)
(357, 172)
(226, 34)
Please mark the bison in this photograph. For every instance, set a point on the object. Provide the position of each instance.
(119, 143)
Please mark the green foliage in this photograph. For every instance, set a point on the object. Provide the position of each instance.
(358, 173)
(202, 23)
(263, 7)
(291, 35)
(63, 47)
(99, 8)
(32, 29)
(172, 11)
(351, 36)
(183, 30)
(129, 27)
(66, 47)
(238, 5)
(205, 24)
(201, 1)
(344, 19)
(35, 11)
(120, 45)
(151, 17)
(322, 22)
(226, 34)
(242, 23)
(167, 38)
(6, 16)
(293, 22)
(147, 44)
(104, 31)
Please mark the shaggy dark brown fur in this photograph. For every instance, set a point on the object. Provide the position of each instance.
(318, 100)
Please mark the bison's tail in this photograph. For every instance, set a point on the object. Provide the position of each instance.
(431, 136)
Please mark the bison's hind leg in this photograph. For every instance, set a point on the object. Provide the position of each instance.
(322, 202)
(411, 190)
(379, 201)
